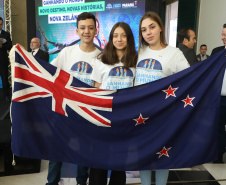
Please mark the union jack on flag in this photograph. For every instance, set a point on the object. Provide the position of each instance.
(166, 124)
(59, 87)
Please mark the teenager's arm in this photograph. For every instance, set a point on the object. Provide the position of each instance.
(96, 84)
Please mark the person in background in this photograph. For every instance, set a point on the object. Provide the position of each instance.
(36, 51)
(166, 60)
(202, 56)
(114, 69)
(187, 39)
(222, 116)
(70, 59)
(5, 45)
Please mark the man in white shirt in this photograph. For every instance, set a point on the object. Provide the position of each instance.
(222, 117)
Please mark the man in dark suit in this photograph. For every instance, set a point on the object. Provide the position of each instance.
(5, 45)
(223, 38)
(217, 49)
(187, 39)
(36, 51)
(222, 115)
(202, 56)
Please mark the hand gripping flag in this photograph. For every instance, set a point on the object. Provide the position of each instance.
(169, 123)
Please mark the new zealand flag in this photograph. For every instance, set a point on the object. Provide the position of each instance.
(165, 124)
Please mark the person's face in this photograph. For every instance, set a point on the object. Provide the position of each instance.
(151, 32)
(191, 42)
(1, 24)
(119, 39)
(86, 31)
(203, 50)
(34, 44)
(223, 37)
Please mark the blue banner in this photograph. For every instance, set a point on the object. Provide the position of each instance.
(57, 31)
(1, 82)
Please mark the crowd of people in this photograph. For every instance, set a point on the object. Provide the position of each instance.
(119, 58)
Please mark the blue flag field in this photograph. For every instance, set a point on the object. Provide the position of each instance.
(166, 124)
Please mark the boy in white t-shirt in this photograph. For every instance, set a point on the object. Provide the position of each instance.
(79, 61)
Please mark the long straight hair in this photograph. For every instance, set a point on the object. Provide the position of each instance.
(109, 56)
(155, 17)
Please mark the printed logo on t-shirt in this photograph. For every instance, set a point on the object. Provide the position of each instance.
(82, 71)
(148, 70)
(119, 78)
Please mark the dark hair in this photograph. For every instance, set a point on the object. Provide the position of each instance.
(183, 34)
(109, 55)
(84, 16)
(224, 26)
(155, 17)
(1, 19)
(97, 22)
(203, 45)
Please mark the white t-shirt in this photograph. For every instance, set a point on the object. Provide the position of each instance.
(114, 76)
(156, 64)
(77, 62)
(223, 90)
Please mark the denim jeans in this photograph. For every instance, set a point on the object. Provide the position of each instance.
(161, 177)
(54, 173)
(82, 174)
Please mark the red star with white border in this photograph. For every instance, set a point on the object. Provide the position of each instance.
(164, 152)
(188, 101)
(140, 120)
(170, 91)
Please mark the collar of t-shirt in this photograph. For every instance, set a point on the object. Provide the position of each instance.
(0, 31)
(34, 51)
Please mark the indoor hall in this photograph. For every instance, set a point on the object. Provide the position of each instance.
(192, 13)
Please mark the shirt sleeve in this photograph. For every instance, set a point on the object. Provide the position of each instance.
(59, 60)
(96, 75)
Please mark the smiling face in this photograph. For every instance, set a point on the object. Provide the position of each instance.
(151, 33)
(203, 50)
(86, 30)
(119, 38)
